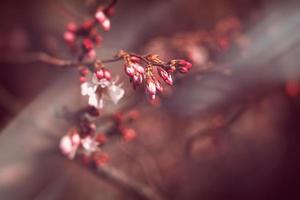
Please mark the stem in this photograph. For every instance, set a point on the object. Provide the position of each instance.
(146, 60)
(51, 60)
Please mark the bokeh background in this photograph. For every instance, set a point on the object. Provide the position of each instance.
(214, 136)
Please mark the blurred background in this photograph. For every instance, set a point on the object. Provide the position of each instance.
(227, 130)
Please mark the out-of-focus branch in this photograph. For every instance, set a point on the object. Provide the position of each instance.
(207, 132)
(8, 101)
(122, 181)
(139, 163)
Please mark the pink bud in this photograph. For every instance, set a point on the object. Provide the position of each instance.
(87, 44)
(165, 76)
(138, 68)
(103, 20)
(69, 144)
(91, 54)
(107, 74)
(129, 70)
(162, 73)
(169, 80)
(106, 25)
(141, 78)
(152, 97)
(72, 27)
(183, 69)
(69, 37)
(75, 138)
(135, 79)
(158, 86)
(128, 134)
(135, 59)
(184, 66)
(99, 74)
(65, 145)
(88, 24)
(100, 16)
(84, 71)
(150, 86)
(82, 79)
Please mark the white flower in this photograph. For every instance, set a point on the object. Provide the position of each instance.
(69, 144)
(98, 90)
(89, 145)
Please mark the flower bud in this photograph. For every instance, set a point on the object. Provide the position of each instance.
(183, 66)
(69, 37)
(72, 27)
(106, 25)
(100, 16)
(150, 86)
(100, 158)
(165, 76)
(88, 25)
(84, 71)
(158, 86)
(103, 20)
(128, 134)
(99, 74)
(107, 74)
(101, 138)
(87, 44)
(91, 54)
(82, 79)
(138, 68)
(129, 70)
(135, 59)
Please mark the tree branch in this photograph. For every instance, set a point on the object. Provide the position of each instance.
(51, 60)
(122, 181)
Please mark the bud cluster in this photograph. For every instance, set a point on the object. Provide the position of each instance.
(148, 71)
(85, 37)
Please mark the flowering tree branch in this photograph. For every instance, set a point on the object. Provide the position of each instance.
(85, 140)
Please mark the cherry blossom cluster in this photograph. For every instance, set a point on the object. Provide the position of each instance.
(97, 83)
(85, 37)
(149, 71)
(86, 142)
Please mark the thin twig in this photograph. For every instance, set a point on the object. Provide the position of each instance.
(51, 60)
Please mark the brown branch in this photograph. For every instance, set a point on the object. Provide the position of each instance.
(148, 62)
(139, 163)
(122, 181)
(51, 60)
(232, 118)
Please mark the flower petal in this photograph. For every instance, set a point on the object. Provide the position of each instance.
(115, 93)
